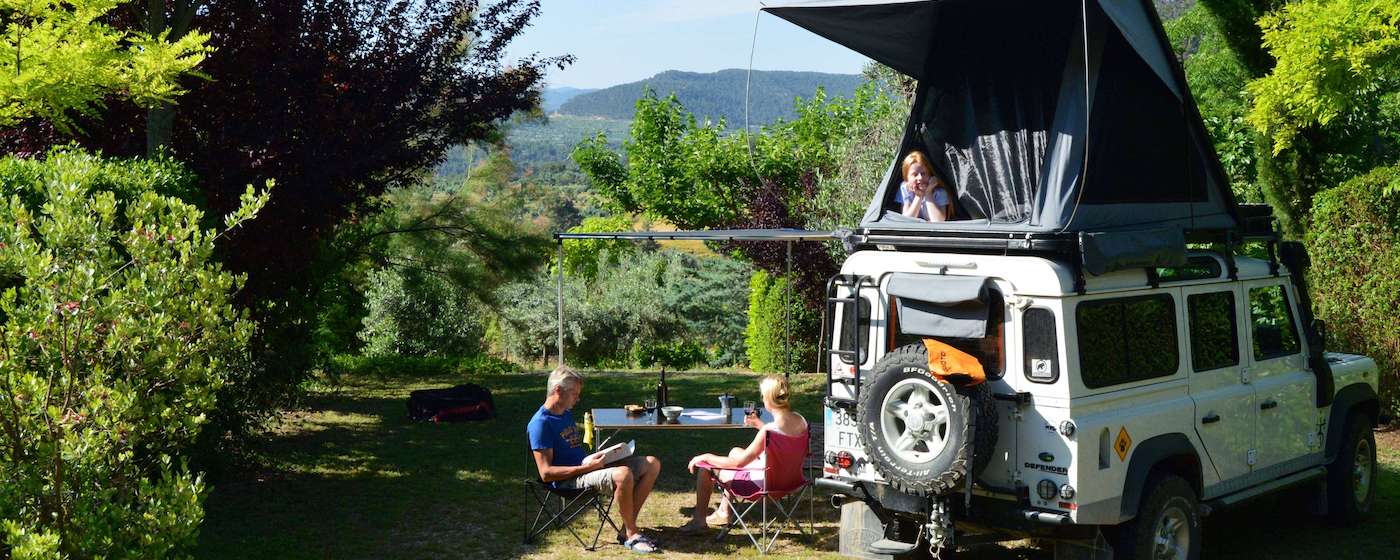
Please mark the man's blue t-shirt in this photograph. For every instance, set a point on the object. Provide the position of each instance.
(558, 432)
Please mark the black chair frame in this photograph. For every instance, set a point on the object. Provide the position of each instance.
(572, 503)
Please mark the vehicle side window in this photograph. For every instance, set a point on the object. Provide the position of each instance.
(1126, 339)
(1272, 321)
(1214, 335)
(862, 327)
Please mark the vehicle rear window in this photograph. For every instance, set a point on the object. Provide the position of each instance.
(990, 350)
(1040, 345)
(1272, 320)
(1123, 340)
(1214, 336)
(862, 329)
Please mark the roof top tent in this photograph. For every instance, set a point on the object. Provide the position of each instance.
(1062, 121)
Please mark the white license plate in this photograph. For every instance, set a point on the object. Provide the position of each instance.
(841, 431)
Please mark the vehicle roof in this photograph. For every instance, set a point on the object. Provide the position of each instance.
(1032, 275)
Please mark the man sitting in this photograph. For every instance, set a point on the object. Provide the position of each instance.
(557, 443)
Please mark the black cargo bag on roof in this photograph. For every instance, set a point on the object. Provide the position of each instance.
(457, 404)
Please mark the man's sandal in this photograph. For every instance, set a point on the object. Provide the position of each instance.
(641, 544)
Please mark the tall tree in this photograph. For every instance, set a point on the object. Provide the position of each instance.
(60, 61)
(1267, 70)
(339, 101)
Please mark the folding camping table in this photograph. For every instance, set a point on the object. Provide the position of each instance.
(617, 420)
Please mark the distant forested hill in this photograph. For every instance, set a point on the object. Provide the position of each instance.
(716, 95)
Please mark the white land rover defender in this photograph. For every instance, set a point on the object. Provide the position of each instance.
(1140, 371)
(1115, 414)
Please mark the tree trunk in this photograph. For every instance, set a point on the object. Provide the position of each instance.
(160, 124)
(160, 121)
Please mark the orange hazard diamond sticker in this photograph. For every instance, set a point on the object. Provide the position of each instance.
(1122, 444)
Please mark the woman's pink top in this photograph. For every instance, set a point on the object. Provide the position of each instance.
(782, 459)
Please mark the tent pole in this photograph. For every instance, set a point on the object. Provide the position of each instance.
(787, 311)
(559, 298)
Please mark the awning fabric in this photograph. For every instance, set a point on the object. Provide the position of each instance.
(1043, 115)
(940, 306)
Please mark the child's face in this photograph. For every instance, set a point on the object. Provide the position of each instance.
(918, 178)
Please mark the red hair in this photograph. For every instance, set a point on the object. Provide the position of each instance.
(916, 156)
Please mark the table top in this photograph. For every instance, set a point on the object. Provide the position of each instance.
(691, 418)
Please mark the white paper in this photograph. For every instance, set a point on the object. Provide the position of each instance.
(618, 451)
(703, 415)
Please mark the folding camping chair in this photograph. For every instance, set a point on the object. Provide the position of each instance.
(571, 504)
(785, 485)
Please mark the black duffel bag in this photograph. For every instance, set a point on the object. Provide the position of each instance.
(457, 404)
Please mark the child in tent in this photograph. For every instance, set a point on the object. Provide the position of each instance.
(923, 195)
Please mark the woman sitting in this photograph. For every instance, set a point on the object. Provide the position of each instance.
(786, 424)
(923, 195)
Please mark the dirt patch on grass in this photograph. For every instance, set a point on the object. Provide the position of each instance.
(1388, 437)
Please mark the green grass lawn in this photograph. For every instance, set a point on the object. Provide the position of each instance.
(349, 476)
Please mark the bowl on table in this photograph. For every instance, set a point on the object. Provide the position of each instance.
(672, 413)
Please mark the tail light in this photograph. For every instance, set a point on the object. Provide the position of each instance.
(844, 460)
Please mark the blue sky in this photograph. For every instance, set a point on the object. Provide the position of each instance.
(620, 41)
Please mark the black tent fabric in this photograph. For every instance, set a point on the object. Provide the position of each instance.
(1043, 115)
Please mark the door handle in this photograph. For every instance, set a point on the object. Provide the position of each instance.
(1211, 418)
(1268, 404)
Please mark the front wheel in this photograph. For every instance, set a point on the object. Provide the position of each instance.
(1167, 526)
(1351, 478)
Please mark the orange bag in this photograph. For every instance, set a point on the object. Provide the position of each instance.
(949, 364)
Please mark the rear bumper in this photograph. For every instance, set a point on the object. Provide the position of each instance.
(992, 511)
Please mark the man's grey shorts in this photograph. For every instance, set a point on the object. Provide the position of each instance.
(602, 479)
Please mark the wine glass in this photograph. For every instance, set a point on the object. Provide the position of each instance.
(749, 408)
(650, 405)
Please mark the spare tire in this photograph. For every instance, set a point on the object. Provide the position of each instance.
(918, 431)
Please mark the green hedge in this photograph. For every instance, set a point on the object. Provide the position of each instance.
(1354, 243)
(765, 334)
(418, 367)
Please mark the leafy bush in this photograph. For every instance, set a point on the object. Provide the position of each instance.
(652, 299)
(862, 154)
(116, 329)
(416, 313)
(683, 354)
(1356, 287)
(767, 337)
(582, 257)
(418, 367)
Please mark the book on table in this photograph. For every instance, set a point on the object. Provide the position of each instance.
(618, 451)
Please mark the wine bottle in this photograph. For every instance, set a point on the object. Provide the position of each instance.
(665, 397)
(660, 396)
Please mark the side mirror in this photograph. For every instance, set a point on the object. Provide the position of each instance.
(1320, 327)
